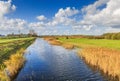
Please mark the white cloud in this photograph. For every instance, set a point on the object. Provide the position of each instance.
(101, 15)
(41, 17)
(66, 12)
(12, 24)
(7, 24)
(37, 24)
(13, 7)
(6, 7)
(62, 17)
(106, 17)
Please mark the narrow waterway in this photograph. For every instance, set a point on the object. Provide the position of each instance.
(45, 62)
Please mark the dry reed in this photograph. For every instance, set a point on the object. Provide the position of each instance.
(108, 60)
(12, 66)
(68, 46)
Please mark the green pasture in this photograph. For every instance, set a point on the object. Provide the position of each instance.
(83, 42)
(3, 40)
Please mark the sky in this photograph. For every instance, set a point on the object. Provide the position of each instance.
(60, 17)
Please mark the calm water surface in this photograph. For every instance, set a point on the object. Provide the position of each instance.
(46, 62)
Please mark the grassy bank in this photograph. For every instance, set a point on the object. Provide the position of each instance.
(12, 58)
(9, 46)
(54, 41)
(104, 60)
(11, 67)
(100, 54)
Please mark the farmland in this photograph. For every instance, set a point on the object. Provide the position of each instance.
(84, 42)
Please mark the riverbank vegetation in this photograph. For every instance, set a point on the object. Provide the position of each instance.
(104, 60)
(11, 56)
(12, 66)
(9, 46)
(54, 41)
(103, 54)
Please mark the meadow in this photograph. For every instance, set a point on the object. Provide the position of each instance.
(100, 54)
(84, 42)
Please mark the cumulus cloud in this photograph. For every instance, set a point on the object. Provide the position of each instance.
(37, 24)
(12, 24)
(101, 15)
(41, 17)
(107, 17)
(63, 17)
(7, 24)
(66, 12)
(6, 7)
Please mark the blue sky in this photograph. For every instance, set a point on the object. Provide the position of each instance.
(58, 17)
(29, 9)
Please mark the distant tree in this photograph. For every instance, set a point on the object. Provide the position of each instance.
(118, 36)
(32, 33)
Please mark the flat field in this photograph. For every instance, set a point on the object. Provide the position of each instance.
(84, 42)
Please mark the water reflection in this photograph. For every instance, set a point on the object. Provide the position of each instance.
(54, 63)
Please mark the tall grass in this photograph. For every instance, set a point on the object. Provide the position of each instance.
(8, 48)
(54, 41)
(106, 60)
(3, 76)
(68, 46)
(12, 66)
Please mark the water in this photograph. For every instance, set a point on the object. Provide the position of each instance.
(46, 62)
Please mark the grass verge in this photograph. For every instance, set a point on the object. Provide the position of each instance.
(12, 66)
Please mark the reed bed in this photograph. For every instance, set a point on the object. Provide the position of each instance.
(54, 41)
(12, 66)
(68, 46)
(106, 60)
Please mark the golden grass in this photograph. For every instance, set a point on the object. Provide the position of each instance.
(68, 46)
(3, 76)
(54, 41)
(107, 60)
(49, 38)
(12, 66)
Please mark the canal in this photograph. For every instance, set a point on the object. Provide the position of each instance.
(45, 62)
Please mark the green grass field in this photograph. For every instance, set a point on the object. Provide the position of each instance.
(9, 46)
(83, 42)
(12, 40)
